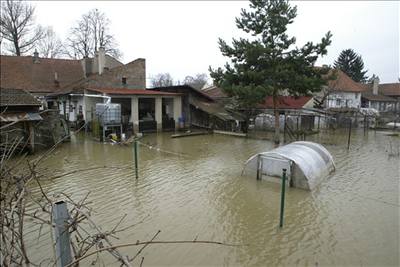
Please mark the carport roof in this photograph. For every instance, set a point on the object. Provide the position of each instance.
(126, 91)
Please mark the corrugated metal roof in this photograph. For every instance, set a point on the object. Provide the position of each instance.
(214, 109)
(17, 97)
(21, 116)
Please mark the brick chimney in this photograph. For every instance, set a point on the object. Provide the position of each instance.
(101, 59)
(375, 86)
(87, 65)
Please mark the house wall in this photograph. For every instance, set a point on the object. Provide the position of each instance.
(344, 99)
(382, 106)
(134, 72)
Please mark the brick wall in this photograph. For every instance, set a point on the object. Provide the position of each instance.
(134, 72)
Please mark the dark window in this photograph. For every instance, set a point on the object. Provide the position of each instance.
(123, 80)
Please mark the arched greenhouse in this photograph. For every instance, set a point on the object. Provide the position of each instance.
(307, 163)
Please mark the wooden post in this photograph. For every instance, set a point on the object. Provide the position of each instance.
(348, 140)
(282, 198)
(319, 119)
(31, 136)
(297, 127)
(61, 234)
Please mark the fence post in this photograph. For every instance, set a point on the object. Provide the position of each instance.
(282, 198)
(136, 159)
(61, 234)
(258, 167)
(348, 139)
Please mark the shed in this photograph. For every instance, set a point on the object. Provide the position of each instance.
(307, 163)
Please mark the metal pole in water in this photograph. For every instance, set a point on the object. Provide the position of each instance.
(348, 140)
(258, 167)
(136, 159)
(282, 198)
(61, 234)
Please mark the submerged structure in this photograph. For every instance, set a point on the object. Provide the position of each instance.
(306, 164)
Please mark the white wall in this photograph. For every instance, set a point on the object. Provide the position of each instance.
(344, 99)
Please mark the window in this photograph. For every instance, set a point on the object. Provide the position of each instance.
(338, 102)
(123, 80)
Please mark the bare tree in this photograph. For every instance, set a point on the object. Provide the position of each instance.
(162, 80)
(80, 42)
(17, 26)
(197, 81)
(50, 46)
(91, 32)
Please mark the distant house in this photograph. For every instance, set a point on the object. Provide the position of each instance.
(374, 97)
(343, 92)
(391, 90)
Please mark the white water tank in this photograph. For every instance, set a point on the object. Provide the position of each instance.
(109, 113)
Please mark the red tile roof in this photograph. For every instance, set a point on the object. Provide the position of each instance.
(344, 83)
(126, 91)
(286, 102)
(21, 72)
(390, 89)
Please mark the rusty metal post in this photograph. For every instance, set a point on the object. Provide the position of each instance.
(61, 234)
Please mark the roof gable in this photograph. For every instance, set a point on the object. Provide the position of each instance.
(344, 83)
(286, 102)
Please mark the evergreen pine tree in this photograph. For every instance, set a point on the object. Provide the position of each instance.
(351, 64)
(268, 64)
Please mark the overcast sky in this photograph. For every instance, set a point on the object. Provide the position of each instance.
(180, 37)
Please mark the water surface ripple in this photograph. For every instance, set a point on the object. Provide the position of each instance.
(352, 218)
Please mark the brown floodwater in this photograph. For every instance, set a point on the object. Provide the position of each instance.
(197, 191)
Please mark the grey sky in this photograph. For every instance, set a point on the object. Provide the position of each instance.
(181, 37)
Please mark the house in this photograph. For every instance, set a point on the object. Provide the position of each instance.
(141, 109)
(342, 92)
(391, 90)
(39, 76)
(74, 87)
(201, 110)
(373, 97)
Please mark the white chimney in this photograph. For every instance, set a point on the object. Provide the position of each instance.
(102, 59)
(375, 85)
